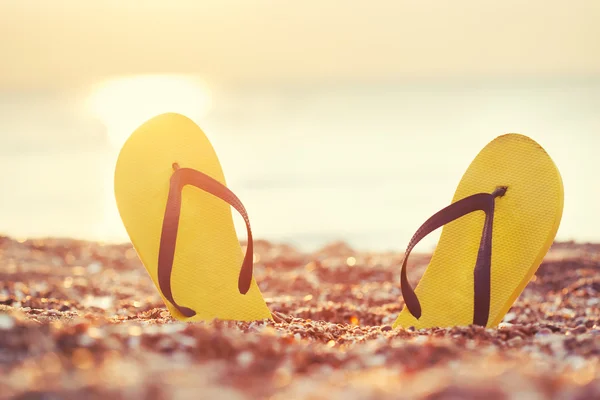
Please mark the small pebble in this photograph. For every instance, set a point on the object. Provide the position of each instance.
(6, 322)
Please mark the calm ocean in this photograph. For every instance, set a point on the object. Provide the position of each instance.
(363, 164)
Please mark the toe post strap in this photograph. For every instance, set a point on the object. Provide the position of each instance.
(482, 272)
(180, 178)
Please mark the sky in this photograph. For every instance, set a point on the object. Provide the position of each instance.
(65, 43)
(318, 89)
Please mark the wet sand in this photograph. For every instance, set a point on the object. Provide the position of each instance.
(82, 320)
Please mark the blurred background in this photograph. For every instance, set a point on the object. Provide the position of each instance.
(333, 120)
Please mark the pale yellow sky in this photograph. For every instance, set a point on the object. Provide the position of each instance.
(69, 42)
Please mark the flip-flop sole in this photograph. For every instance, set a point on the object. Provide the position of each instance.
(208, 254)
(526, 220)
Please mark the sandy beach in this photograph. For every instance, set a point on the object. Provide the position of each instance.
(83, 320)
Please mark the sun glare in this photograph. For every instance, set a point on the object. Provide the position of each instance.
(125, 103)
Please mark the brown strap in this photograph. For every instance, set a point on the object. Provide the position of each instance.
(181, 178)
(477, 202)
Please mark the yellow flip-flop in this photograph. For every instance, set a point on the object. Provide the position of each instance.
(175, 205)
(502, 221)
